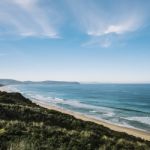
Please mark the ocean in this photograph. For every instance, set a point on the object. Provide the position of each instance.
(122, 104)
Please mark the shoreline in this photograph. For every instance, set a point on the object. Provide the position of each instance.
(131, 131)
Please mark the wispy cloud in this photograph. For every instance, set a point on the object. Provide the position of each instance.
(103, 21)
(103, 18)
(28, 18)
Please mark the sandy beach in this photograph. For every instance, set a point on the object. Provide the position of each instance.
(135, 132)
(130, 131)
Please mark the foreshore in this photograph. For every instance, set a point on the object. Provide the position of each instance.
(135, 132)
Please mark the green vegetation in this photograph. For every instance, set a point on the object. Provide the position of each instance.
(27, 126)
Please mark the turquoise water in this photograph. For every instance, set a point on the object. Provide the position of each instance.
(123, 104)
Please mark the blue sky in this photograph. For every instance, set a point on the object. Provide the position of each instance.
(75, 40)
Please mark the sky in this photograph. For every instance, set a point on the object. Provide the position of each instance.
(75, 40)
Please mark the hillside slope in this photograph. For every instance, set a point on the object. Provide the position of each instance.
(26, 126)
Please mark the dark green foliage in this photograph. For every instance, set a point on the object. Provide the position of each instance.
(26, 126)
(14, 98)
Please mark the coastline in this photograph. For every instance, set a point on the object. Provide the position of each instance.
(135, 132)
(5, 88)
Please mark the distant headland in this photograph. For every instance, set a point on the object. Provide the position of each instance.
(12, 82)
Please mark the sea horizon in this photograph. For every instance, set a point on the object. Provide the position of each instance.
(78, 81)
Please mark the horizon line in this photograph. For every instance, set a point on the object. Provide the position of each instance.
(84, 82)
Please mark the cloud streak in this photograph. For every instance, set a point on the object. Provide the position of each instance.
(28, 18)
(103, 18)
(103, 21)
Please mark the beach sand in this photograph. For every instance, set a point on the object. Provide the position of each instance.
(135, 132)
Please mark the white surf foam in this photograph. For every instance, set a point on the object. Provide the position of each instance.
(9, 88)
(97, 110)
(145, 120)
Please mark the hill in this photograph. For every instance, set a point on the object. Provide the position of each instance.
(12, 82)
(27, 126)
(9, 81)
